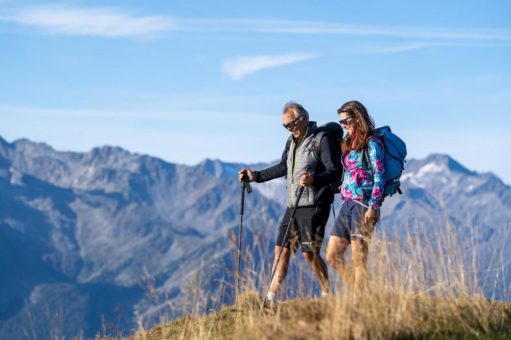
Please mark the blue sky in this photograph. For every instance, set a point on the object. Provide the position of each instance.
(188, 80)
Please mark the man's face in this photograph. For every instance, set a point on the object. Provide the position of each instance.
(295, 124)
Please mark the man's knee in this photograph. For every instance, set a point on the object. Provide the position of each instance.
(282, 255)
(282, 251)
(310, 256)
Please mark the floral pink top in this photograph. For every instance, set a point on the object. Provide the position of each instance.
(359, 183)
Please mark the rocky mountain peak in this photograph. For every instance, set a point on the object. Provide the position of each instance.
(437, 161)
(436, 168)
(5, 148)
(33, 148)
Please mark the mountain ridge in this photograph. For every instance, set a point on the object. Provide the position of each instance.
(145, 229)
(214, 164)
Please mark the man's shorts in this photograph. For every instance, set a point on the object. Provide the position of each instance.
(350, 222)
(307, 230)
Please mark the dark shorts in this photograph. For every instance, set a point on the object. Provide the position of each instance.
(308, 229)
(350, 222)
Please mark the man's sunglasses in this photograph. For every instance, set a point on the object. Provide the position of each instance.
(291, 125)
(345, 120)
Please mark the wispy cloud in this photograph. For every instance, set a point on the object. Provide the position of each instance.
(332, 28)
(388, 31)
(100, 22)
(108, 22)
(240, 67)
(397, 48)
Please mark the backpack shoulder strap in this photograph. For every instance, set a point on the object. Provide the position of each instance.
(366, 161)
(288, 144)
(317, 143)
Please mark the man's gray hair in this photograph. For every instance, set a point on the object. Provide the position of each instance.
(296, 108)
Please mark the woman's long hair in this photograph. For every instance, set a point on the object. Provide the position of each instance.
(363, 125)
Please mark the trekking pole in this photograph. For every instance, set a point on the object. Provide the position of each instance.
(300, 191)
(244, 186)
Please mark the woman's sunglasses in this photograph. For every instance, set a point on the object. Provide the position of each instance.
(345, 120)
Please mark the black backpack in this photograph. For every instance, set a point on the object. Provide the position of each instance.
(334, 133)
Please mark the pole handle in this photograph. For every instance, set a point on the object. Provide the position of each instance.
(246, 183)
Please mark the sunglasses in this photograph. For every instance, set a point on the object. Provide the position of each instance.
(345, 120)
(291, 125)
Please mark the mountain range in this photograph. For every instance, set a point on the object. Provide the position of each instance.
(108, 241)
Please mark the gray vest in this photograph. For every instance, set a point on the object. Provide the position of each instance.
(298, 161)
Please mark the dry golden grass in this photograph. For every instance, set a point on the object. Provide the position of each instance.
(380, 315)
(417, 288)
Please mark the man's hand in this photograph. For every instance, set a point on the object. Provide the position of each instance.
(306, 180)
(248, 172)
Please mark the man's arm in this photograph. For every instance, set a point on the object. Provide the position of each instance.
(275, 171)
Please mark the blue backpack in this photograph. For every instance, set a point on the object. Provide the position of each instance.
(395, 154)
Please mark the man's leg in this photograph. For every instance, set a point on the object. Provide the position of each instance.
(288, 246)
(282, 267)
(312, 222)
(320, 270)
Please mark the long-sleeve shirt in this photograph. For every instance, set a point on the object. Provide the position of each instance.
(327, 170)
(359, 183)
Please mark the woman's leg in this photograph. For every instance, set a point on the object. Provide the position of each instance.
(359, 251)
(335, 256)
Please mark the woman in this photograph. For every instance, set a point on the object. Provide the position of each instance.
(361, 192)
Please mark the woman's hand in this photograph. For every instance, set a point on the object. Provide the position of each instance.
(372, 215)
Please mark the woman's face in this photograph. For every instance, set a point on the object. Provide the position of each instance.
(347, 122)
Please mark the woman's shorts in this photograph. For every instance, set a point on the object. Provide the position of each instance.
(350, 222)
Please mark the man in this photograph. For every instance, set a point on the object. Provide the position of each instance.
(314, 167)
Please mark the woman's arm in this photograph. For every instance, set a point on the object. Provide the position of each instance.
(376, 158)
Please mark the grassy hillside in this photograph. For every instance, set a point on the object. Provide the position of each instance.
(376, 315)
(417, 289)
